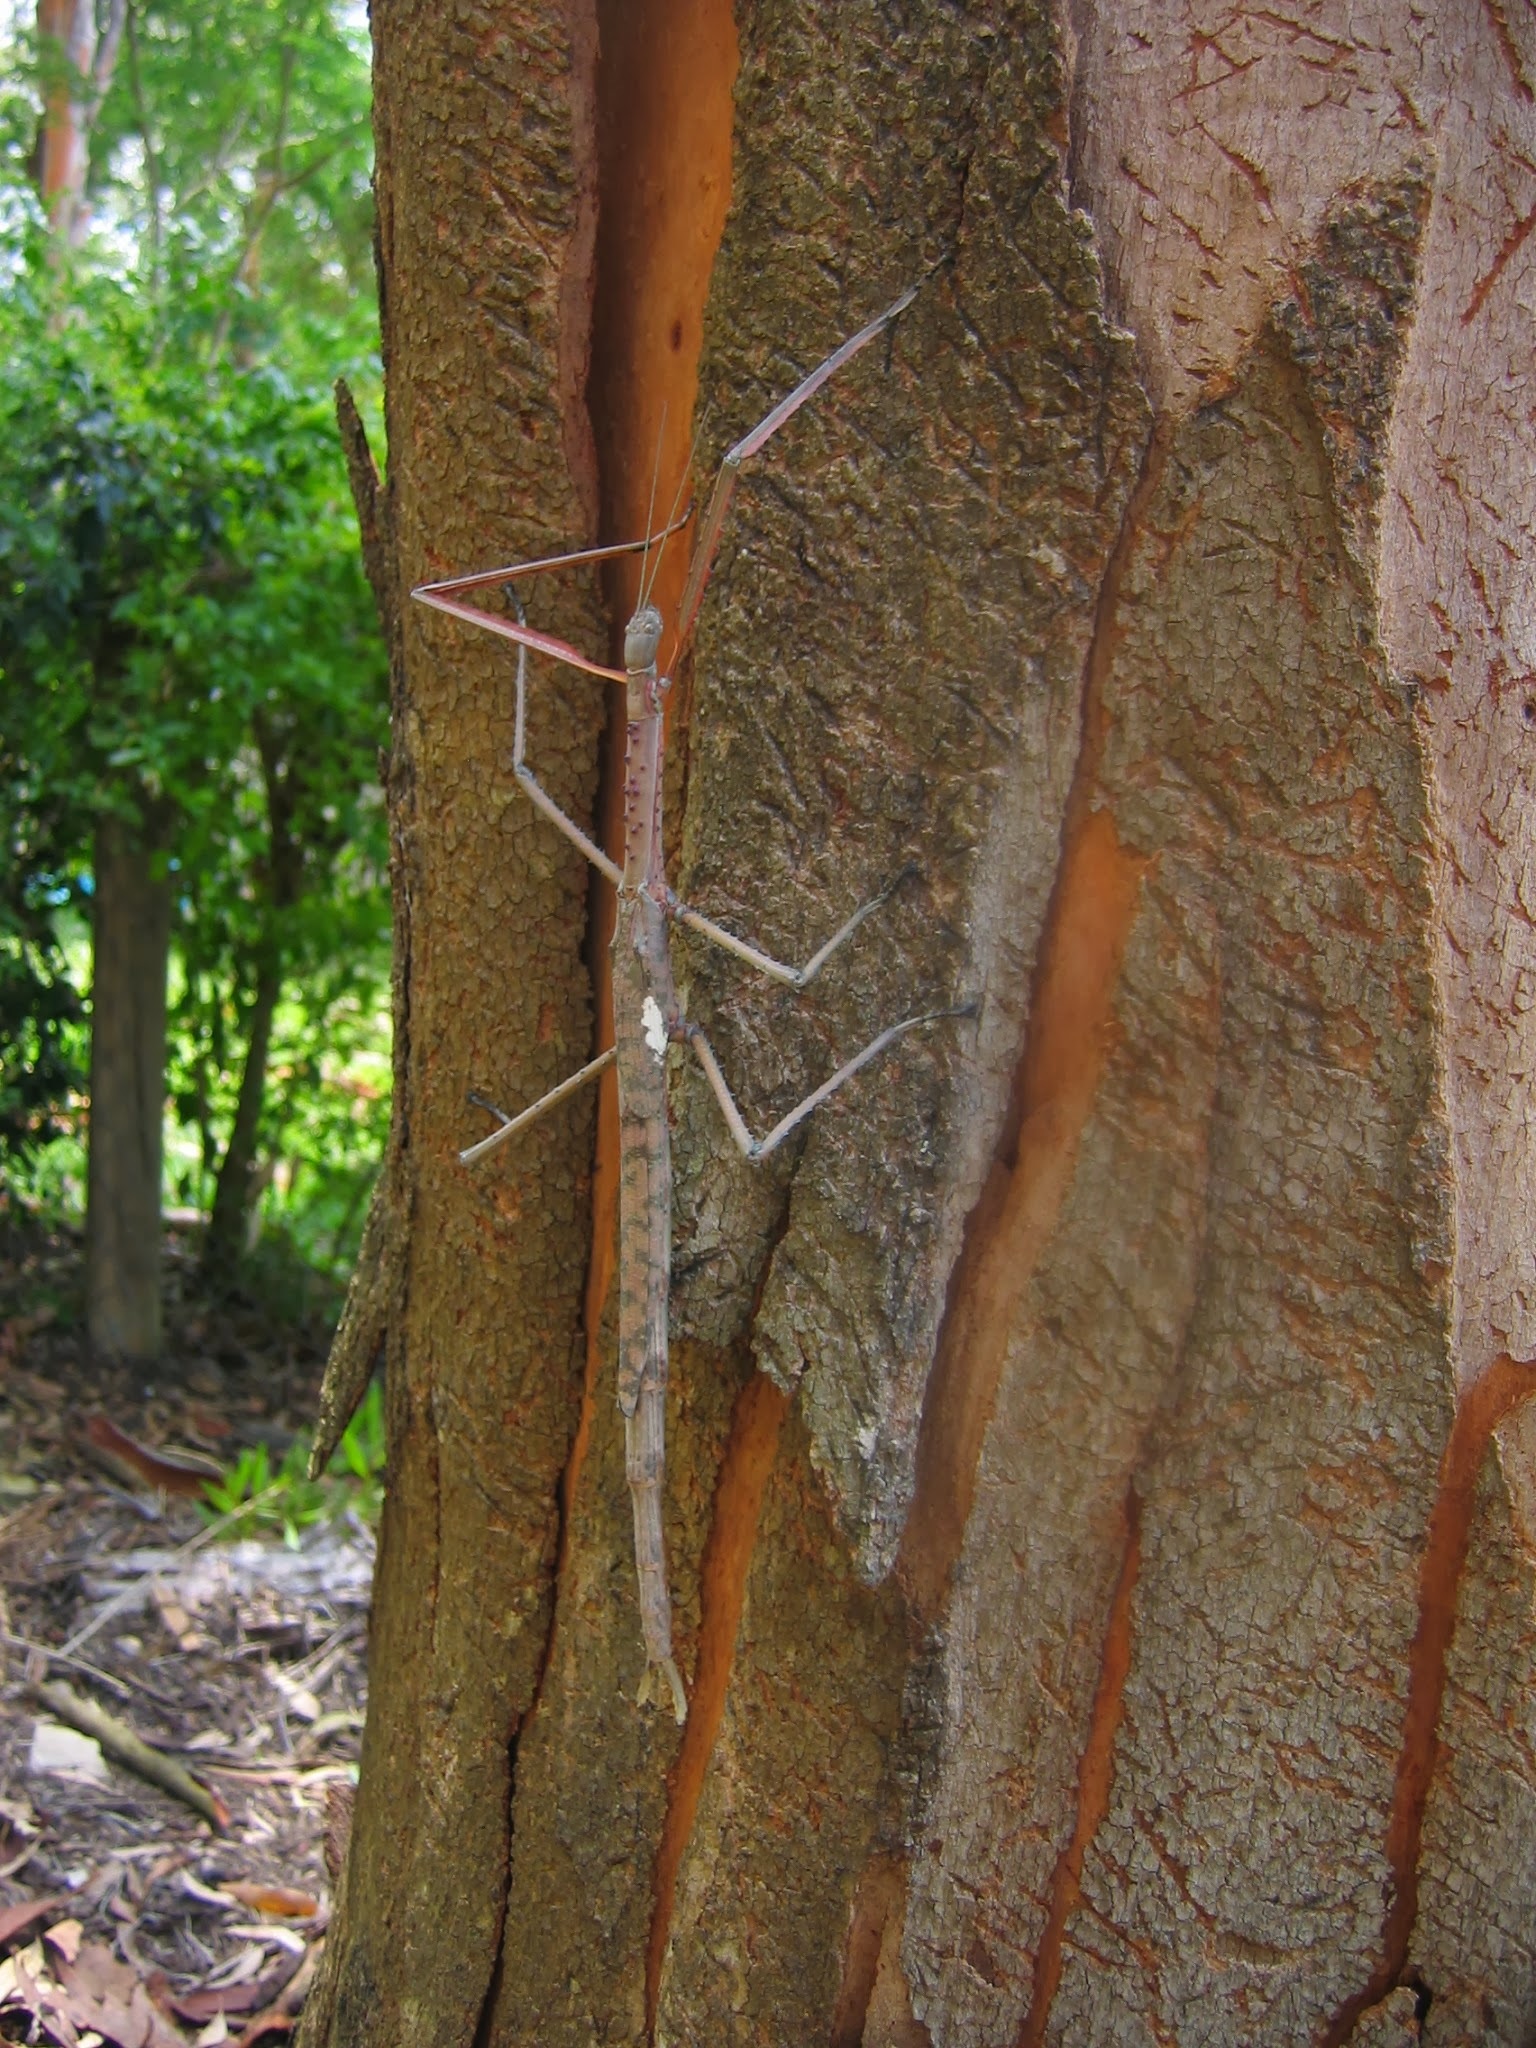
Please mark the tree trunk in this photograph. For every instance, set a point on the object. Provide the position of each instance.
(1101, 1492)
(236, 1183)
(131, 946)
(80, 60)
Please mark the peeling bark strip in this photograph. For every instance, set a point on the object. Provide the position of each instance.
(744, 1474)
(1093, 1782)
(1506, 1384)
(1070, 1032)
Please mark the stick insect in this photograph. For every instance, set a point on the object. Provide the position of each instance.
(647, 1016)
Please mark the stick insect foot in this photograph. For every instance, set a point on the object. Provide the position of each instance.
(666, 1667)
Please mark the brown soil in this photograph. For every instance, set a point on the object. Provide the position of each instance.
(259, 1689)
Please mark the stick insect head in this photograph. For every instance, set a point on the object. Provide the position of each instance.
(642, 636)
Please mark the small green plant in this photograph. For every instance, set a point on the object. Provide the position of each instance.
(253, 1497)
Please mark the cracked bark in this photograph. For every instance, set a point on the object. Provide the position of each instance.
(1102, 1487)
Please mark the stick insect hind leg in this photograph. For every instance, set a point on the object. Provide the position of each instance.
(759, 1148)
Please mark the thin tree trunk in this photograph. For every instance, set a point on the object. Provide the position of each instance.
(81, 64)
(236, 1183)
(131, 947)
(1102, 1467)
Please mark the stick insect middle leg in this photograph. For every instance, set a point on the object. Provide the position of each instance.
(765, 963)
(759, 1148)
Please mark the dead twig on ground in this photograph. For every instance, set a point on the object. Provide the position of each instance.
(118, 1740)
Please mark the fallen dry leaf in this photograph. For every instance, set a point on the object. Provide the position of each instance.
(18, 1835)
(185, 1473)
(251, 1997)
(178, 1623)
(65, 1936)
(97, 1993)
(62, 1752)
(275, 1899)
(17, 1919)
(282, 2015)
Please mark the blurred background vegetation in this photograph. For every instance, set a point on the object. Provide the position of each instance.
(191, 674)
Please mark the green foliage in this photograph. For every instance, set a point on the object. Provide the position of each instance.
(186, 637)
(288, 1499)
(42, 1044)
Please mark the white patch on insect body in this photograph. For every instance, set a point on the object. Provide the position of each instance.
(654, 1027)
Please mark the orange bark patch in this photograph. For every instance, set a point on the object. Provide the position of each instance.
(664, 148)
(1482, 1407)
(1096, 895)
(872, 1990)
(664, 170)
(1097, 887)
(744, 1470)
(1094, 1781)
(880, 1889)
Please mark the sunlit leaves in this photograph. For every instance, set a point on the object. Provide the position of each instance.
(186, 638)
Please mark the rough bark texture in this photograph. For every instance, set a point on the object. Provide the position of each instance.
(131, 937)
(1101, 1491)
(486, 218)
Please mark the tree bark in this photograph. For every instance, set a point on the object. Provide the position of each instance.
(81, 59)
(131, 947)
(236, 1185)
(1102, 1477)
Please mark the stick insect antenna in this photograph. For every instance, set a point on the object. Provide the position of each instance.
(677, 499)
(651, 505)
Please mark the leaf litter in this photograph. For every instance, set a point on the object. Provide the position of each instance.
(126, 1920)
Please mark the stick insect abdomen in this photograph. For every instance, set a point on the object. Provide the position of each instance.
(645, 1253)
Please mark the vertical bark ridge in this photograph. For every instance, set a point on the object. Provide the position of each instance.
(882, 1885)
(1503, 1386)
(485, 313)
(1095, 1778)
(663, 168)
(749, 1454)
(1092, 904)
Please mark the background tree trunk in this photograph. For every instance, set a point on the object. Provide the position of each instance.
(1102, 1483)
(238, 1182)
(131, 929)
(80, 50)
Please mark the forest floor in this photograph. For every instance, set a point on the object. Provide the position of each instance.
(125, 1917)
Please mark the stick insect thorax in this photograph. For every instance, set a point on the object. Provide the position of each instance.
(644, 739)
